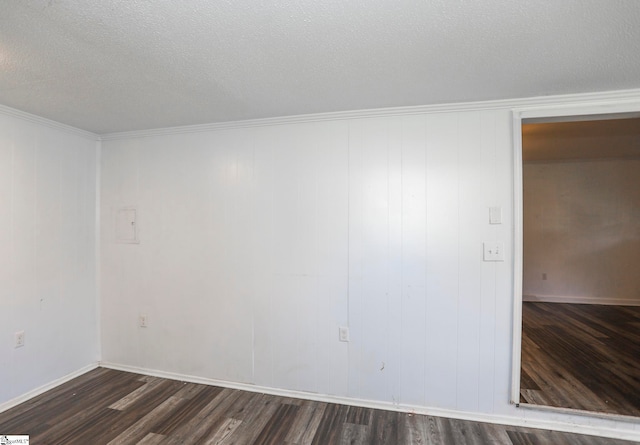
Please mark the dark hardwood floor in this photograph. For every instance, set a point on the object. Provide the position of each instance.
(106, 406)
(581, 356)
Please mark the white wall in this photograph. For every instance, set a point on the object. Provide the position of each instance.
(582, 229)
(47, 253)
(257, 243)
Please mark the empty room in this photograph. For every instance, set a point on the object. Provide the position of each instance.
(319, 222)
(581, 197)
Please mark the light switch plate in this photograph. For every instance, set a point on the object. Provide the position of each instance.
(495, 215)
(343, 333)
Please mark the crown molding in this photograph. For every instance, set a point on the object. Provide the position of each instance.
(28, 117)
(521, 105)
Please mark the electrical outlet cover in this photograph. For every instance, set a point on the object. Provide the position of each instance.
(19, 339)
(493, 252)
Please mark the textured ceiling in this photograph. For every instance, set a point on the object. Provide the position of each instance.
(109, 66)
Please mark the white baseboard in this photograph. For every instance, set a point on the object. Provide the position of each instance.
(587, 427)
(581, 300)
(44, 388)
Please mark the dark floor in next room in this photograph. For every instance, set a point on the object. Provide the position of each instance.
(581, 356)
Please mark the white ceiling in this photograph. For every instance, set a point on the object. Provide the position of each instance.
(110, 66)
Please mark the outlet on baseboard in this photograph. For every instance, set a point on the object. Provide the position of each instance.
(19, 339)
(143, 321)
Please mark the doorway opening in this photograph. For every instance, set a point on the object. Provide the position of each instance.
(577, 311)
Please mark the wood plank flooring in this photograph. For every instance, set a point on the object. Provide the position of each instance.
(581, 356)
(112, 407)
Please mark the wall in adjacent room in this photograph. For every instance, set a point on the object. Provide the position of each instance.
(47, 252)
(582, 231)
(257, 243)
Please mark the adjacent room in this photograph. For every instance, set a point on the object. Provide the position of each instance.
(581, 288)
(314, 222)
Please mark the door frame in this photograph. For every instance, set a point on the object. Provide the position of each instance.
(575, 110)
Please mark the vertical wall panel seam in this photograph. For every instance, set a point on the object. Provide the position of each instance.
(348, 302)
(272, 239)
(388, 262)
(458, 193)
(58, 235)
(34, 266)
(494, 192)
(252, 193)
(12, 262)
(480, 316)
(315, 276)
(425, 122)
(399, 345)
(97, 245)
(458, 223)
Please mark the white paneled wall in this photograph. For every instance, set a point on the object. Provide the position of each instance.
(257, 243)
(47, 254)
